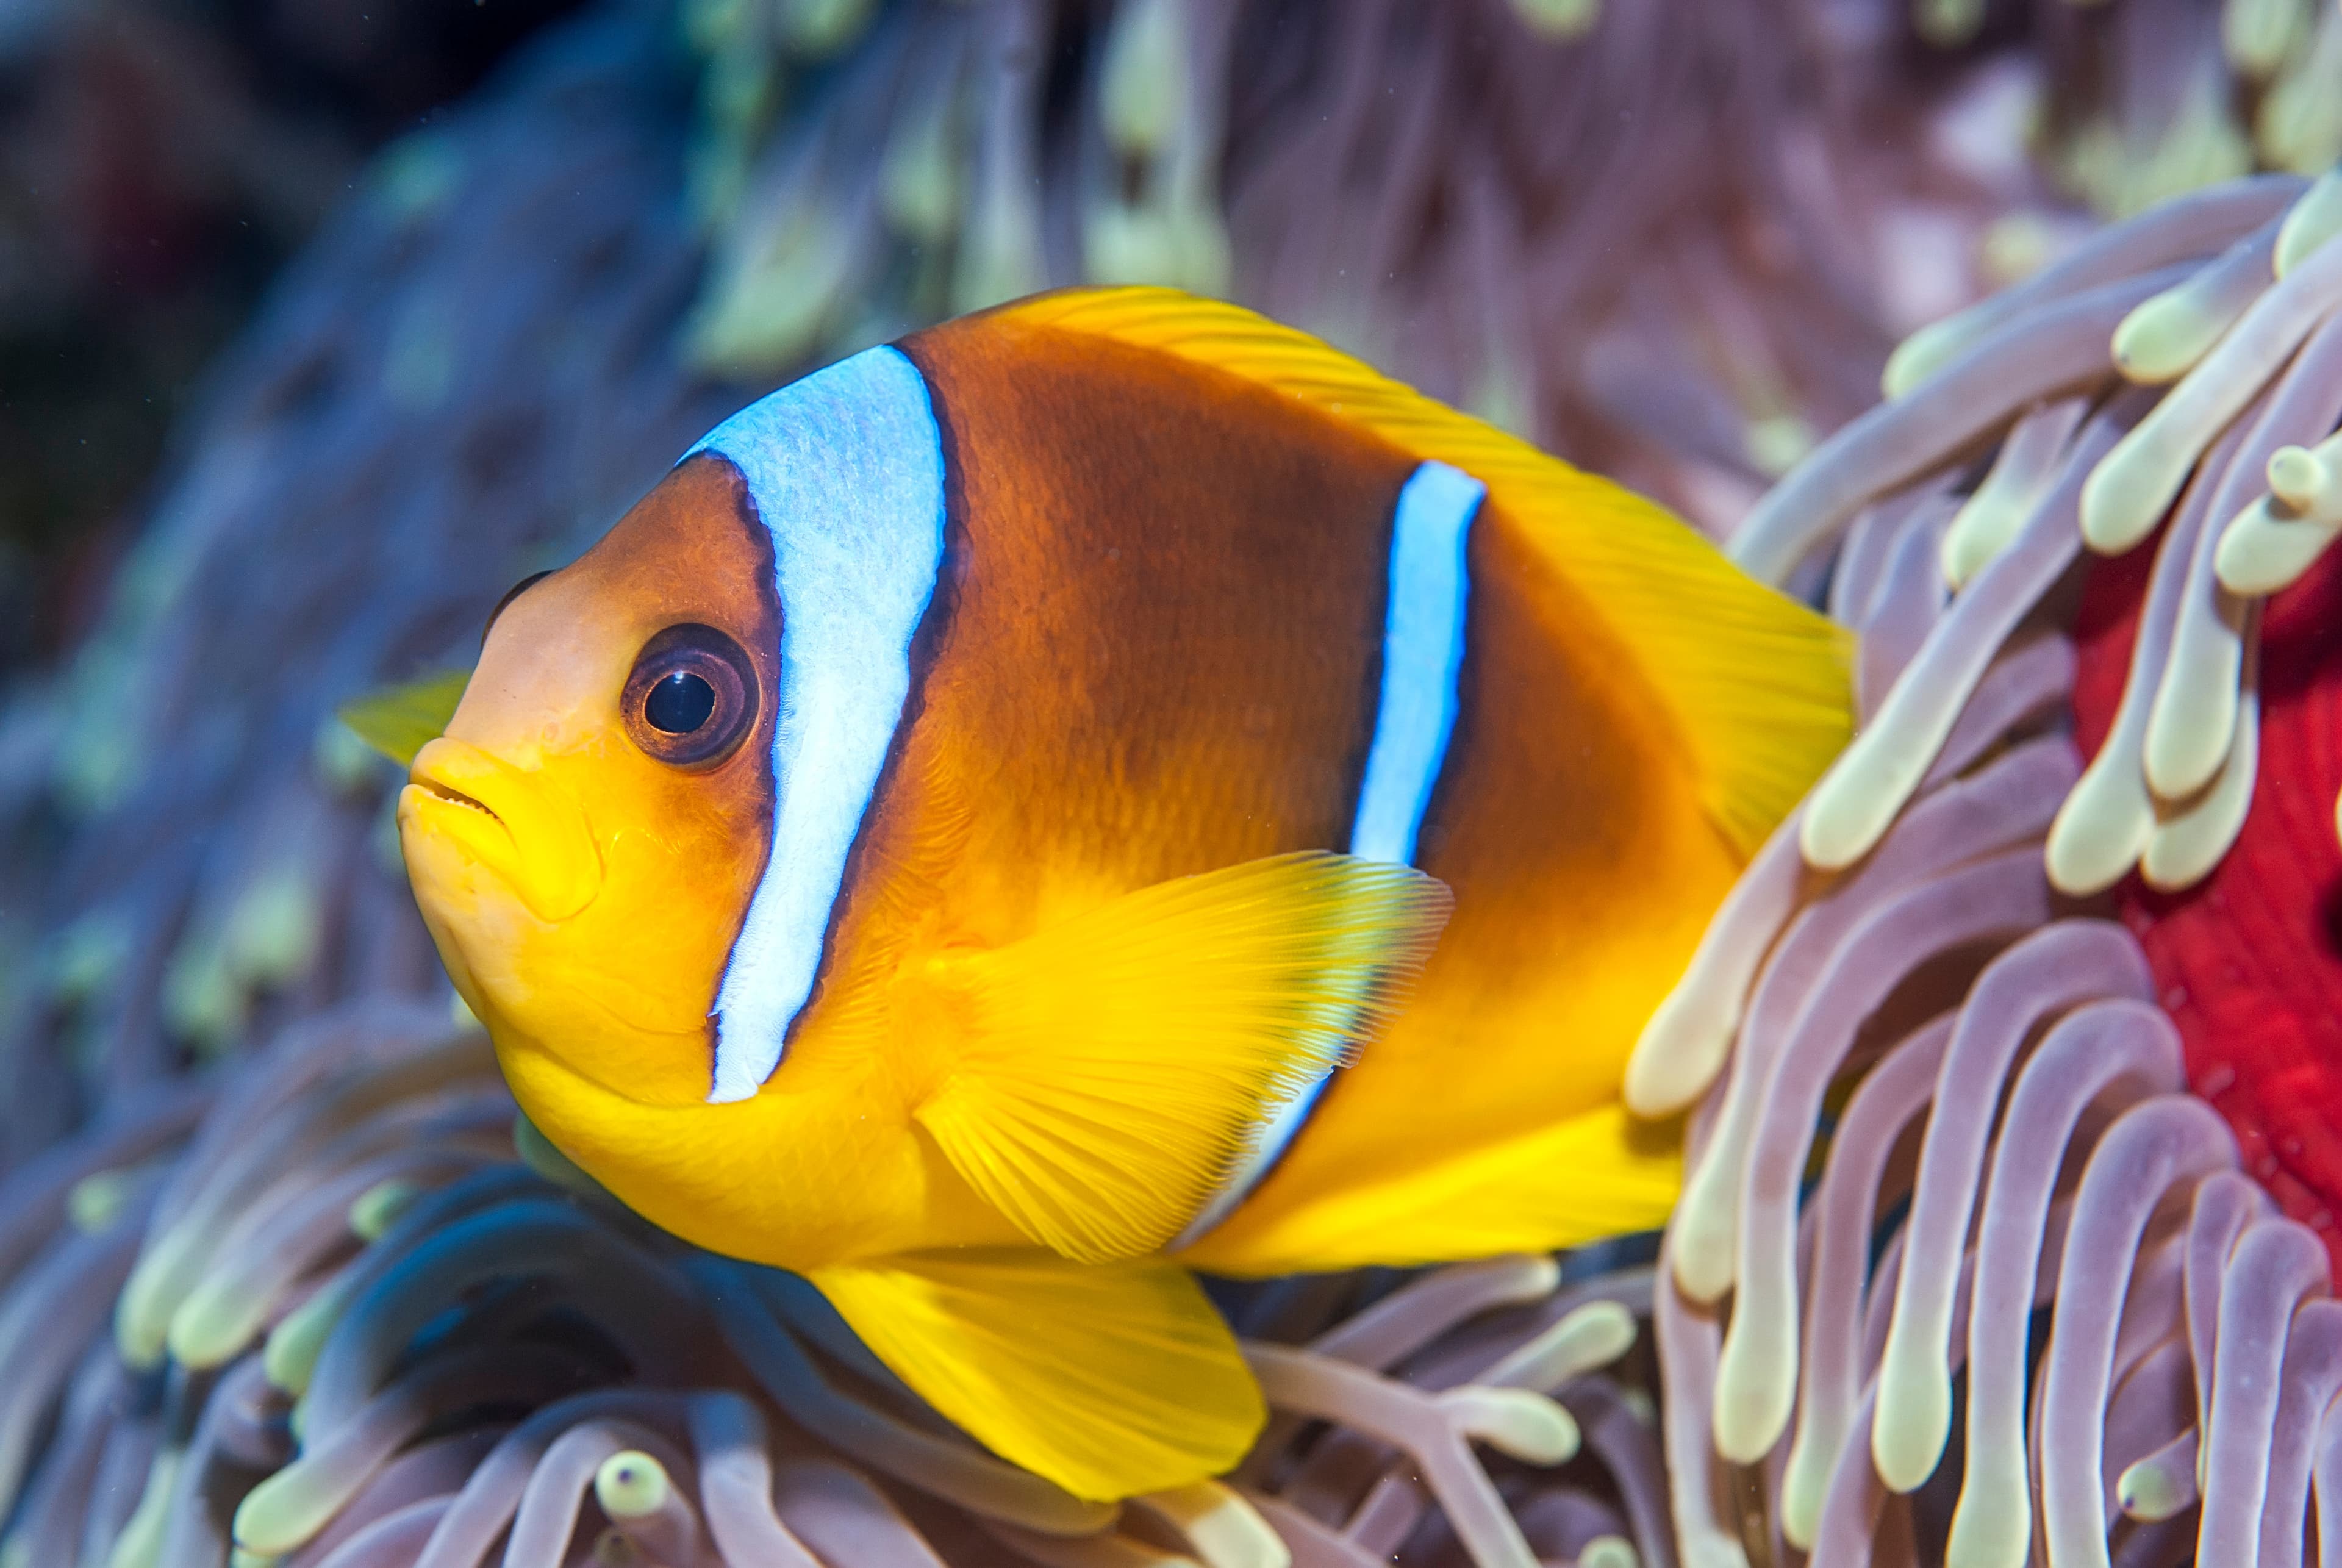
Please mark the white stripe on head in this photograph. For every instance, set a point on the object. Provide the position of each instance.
(846, 471)
(1423, 657)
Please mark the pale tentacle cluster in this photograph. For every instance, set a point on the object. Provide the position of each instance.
(351, 1330)
(2009, 1131)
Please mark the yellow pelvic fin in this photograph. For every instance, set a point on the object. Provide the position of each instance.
(1108, 1379)
(400, 721)
(1098, 1079)
(1602, 1173)
(1757, 685)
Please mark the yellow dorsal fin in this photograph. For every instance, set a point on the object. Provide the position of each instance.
(1100, 1077)
(1756, 683)
(1109, 1379)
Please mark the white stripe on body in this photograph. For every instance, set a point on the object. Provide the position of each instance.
(1423, 657)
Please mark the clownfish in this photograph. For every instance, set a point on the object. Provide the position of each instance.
(1098, 788)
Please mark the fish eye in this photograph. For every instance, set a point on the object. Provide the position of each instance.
(515, 591)
(692, 697)
(679, 702)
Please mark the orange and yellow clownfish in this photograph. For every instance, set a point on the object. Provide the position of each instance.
(1100, 786)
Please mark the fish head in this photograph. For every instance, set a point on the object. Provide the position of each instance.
(584, 838)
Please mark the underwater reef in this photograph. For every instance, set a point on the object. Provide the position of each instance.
(2008, 1230)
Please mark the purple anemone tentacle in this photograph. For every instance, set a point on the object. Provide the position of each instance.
(2058, 967)
(2086, 1053)
(2311, 1378)
(2276, 1264)
(2171, 1140)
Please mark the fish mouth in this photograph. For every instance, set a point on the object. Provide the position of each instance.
(455, 797)
(512, 822)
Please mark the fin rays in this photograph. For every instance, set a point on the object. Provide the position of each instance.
(1106, 1072)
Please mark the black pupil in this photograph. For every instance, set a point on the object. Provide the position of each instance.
(679, 704)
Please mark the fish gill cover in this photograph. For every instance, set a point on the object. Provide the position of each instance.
(326, 1308)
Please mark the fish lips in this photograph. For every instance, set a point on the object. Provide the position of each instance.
(512, 822)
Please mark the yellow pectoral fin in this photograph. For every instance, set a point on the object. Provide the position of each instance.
(1602, 1173)
(1110, 1379)
(398, 721)
(1102, 1075)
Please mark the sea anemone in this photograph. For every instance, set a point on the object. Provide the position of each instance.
(353, 1326)
(2046, 1112)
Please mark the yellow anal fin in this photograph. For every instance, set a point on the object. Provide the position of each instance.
(1756, 685)
(1602, 1173)
(1102, 1076)
(1108, 1379)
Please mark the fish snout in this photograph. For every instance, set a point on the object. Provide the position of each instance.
(514, 821)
